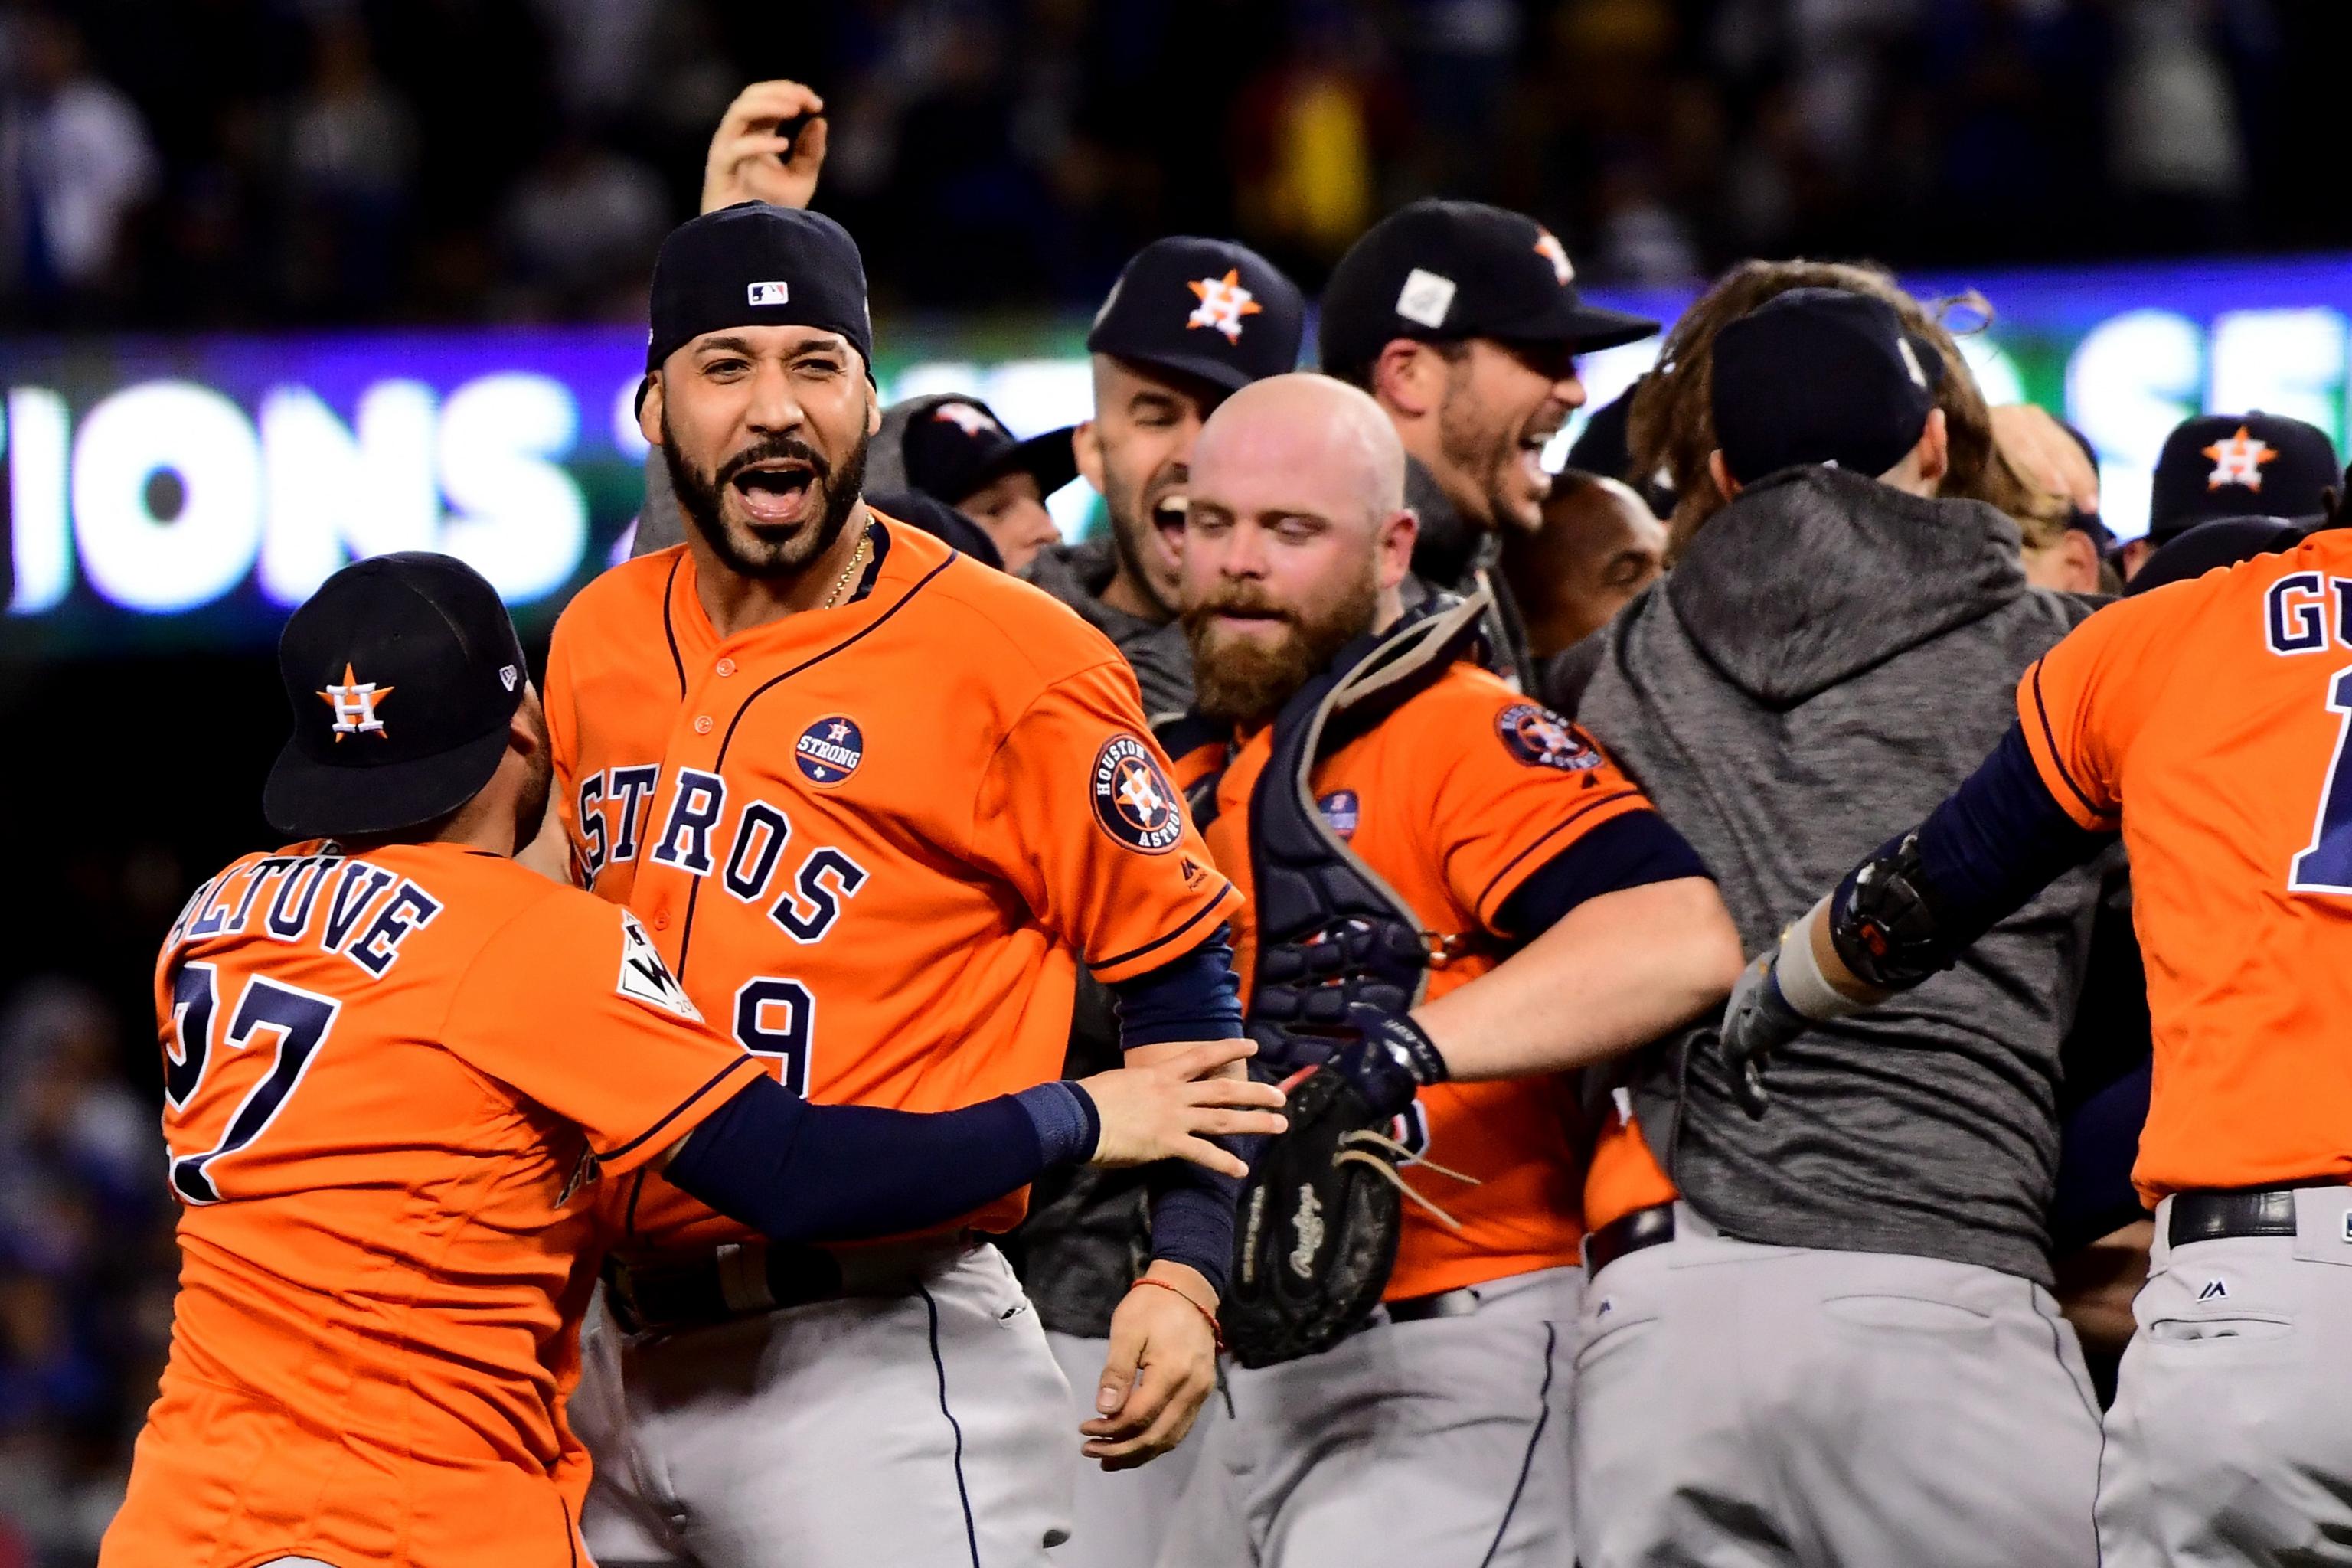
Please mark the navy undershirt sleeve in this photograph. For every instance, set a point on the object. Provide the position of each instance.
(1992, 845)
(796, 1172)
(1194, 997)
(1626, 851)
(2096, 1150)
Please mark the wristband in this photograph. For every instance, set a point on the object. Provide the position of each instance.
(1797, 973)
(1216, 1330)
(1405, 1044)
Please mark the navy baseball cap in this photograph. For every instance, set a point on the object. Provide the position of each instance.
(2240, 465)
(403, 672)
(1443, 271)
(952, 446)
(1205, 308)
(752, 265)
(2219, 542)
(1821, 375)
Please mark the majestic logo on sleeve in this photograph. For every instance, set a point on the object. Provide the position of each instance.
(830, 749)
(1223, 304)
(645, 978)
(2239, 460)
(1133, 799)
(354, 703)
(1542, 739)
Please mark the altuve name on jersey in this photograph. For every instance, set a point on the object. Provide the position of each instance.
(334, 900)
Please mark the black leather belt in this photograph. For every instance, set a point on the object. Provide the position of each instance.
(1458, 1303)
(2216, 1217)
(1648, 1227)
(747, 1279)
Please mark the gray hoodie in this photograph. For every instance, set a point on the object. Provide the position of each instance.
(1162, 660)
(1827, 662)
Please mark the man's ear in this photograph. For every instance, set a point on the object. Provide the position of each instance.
(1720, 473)
(1401, 377)
(1396, 541)
(2134, 556)
(2082, 558)
(1087, 446)
(649, 410)
(1935, 449)
(872, 411)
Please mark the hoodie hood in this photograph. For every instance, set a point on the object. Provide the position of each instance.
(1812, 575)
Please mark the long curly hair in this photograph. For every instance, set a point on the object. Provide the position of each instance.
(1671, 429)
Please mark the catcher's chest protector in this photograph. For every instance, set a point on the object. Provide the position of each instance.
(1331, 929)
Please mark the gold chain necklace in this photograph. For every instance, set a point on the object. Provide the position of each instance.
(856, 559)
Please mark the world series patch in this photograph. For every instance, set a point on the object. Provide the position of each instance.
(1134, 802)
(1542, 739)
(830, 749)
(1341, 811)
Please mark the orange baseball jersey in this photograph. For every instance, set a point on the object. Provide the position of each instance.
(2207, 720)
(1456, 799)
(387, 1079)
(874, 841)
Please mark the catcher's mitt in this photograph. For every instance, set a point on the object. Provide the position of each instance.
(1318, 1221)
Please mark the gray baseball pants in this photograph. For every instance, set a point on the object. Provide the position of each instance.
(1117, 1517)
(929, 1430)
(1740, 1407)
(1440, 1444)
(2230, 1437)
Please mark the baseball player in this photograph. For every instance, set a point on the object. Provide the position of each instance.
(397, 1066)
(1188, 322)
(876, 804)
(2227, 1442)
(954, 449)
(1840, 623)
(1463, 321)
(2234, 465)
(1553, 919)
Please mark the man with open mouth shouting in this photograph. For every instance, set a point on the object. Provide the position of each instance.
(1464, 323)
(1189, 322)
(876, 805)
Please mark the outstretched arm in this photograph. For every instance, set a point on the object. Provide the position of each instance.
(1624, 938)
(1910, 909)
(798, 1171)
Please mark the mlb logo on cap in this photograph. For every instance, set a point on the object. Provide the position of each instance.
(770, 293)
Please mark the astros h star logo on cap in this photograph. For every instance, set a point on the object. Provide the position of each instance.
(354, 703)
(1223, 304)
(1549, 247)
(967, 418)
(2239, 460)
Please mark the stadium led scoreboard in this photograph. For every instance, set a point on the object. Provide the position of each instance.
(164, 492)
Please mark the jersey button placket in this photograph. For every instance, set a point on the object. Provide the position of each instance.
(702, 724)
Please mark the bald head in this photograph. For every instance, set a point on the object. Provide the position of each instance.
(1319, 442)
(1295, 537)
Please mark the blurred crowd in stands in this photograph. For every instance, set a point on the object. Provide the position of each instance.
(267, 162)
